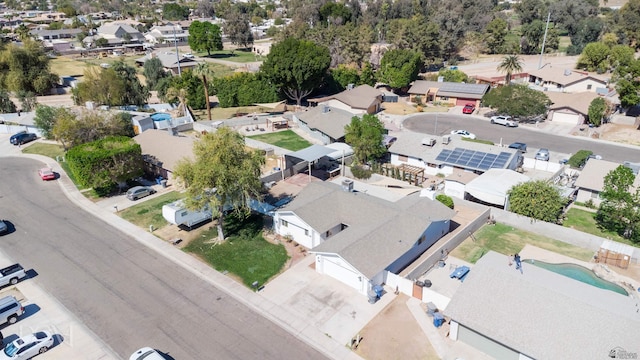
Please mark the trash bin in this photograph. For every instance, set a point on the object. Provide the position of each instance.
(373, 297)
(163, 182)
(438, 319)
(378, 290)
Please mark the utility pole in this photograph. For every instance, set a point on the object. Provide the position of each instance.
(544, 40)
(175, 41)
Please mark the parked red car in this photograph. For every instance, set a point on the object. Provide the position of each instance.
(46, 174)
(469, 109)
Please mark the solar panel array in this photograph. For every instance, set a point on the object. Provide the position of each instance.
(464, 88)
(474, 159)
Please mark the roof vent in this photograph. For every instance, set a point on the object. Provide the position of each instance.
(428, 141)
(347, 185)
(567, 72)
(350, 86)
(446, 139)
(325, 109)
(440, 78)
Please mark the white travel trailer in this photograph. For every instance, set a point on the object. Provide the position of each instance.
(177, 213)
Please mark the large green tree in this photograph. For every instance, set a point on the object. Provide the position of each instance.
(597, 109)
(45, 119)
(114, 86)
(205, 36)
(223, 174)
(204, 72)
(238, 29)
(619, 210)
(594, 57)
(244, 89)
(73, 130)
(6, 105)
(630, 21)
(174, 11)
(495, 35)
(153, 72)
(365, 135)
(510, 64)
(399, 67)
(517, 101)
(26, 68)
(297, 67)
(536, 199)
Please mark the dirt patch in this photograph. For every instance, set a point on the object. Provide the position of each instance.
(394, 334)
(627, 134)
(172, 233)
(399, 108)
(295, 251)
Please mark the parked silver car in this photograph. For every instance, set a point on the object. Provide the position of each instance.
(542, 155)
(138, 192)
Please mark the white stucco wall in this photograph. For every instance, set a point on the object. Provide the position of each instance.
(295, 228)
(454, 188)
(582, 86)
(585, 195)
(336, 267)
(340, 105)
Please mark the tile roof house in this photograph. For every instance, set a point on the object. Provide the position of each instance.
(539, 314)
(457, 94)
(169, 60)
(161, 151)
(560, 79)
(358, 238)
(362, 99)
(590, 182)
(570, 108)
(444, 154)
(324, 123)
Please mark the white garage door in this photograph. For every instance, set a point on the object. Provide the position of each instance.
(342, 273)
(566, 118)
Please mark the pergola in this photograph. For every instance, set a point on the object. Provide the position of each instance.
(412, 174)
(277, 122)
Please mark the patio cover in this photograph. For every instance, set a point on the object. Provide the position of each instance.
(493, 185)
(339, 150)
(310, 154)
(271, 105)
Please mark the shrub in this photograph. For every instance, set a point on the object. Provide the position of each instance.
(446, 200)
(578, 159)
(360, 172)
(590, 204)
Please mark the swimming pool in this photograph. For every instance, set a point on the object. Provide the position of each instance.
(579, 273)
(160, 116)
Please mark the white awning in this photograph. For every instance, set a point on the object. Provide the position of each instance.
(493, 185)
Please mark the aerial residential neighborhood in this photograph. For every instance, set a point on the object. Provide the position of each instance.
(343, 180)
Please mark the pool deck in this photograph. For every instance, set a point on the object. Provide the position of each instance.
(604, 271)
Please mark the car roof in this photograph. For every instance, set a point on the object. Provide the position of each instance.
(146, 353)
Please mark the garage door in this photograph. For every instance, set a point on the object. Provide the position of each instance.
(485, 344)
(565, 118)
(463, 102)
(341, 273)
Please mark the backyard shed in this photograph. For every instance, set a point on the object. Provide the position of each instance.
(615, 253)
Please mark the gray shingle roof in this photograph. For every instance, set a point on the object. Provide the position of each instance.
(472, 91)
(360, 97)
(378, 232)
(331, 123)
(563, 76)
(592, 175)
(165, 147)
(542, 314)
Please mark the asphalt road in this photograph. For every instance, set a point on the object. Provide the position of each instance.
(128, 295)
(441, 124)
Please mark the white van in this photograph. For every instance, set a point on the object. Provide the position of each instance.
(10, 310)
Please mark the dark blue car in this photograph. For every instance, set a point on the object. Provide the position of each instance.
(22, 138)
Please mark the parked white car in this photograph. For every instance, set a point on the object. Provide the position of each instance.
(146, 353)
(28, 346)
(505, 120)
(464, 134)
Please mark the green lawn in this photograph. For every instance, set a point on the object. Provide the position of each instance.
(585, 221)
(50, 150)
(245, 253)
(508, 240)
(241, 56)
(287, 139)
(149, 212)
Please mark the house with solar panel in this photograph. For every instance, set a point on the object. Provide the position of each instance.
(455, 94)
(445, 154)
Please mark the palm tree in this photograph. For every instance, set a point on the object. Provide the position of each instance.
(203, 71)
(509, 65)
(181, 95)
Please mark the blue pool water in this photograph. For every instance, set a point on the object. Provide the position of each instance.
(160, 116)
(579, 273)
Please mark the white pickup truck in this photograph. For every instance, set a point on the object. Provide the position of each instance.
(505, 120)
(11, 274)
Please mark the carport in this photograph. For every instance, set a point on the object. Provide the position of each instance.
(310, 154)
(492, 186)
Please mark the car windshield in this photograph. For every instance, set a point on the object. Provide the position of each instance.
(150, 352)
(10, 350)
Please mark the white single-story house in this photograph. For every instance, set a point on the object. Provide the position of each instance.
(161, 151)
(540, 314)
(166, 34)
(444, 154)
(358, 238)
(570, 108)
(456, 94)
(590, 182)
(493, 186)
(362, 99)
(170, 61)
(324, 123)
(561, 79)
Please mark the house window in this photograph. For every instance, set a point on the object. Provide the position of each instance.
(404, 158)
(595, 195)
(589, 87)
(284, 223)
(444, 98)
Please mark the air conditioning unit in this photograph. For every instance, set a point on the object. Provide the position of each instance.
(446, 139)
(428, 141)
(347, 185)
